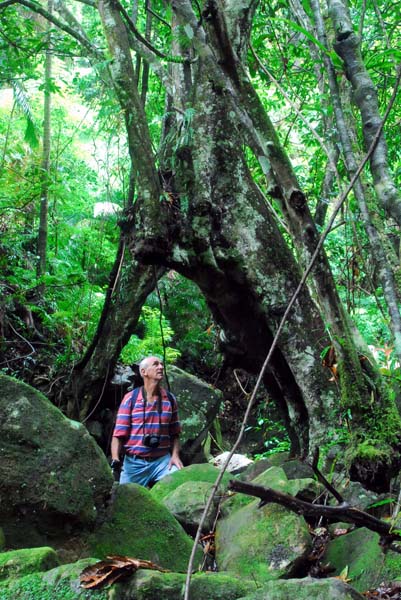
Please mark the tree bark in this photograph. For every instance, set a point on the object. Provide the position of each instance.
(348, 47)
(214, 227)
(385, 273)
(128, 291)
(45, 166)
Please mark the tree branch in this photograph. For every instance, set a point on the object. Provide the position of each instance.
(63, 26)
(344, 512)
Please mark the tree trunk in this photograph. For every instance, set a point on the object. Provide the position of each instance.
(128, 290)
(217, 230)
(347, 46)
(45, 166)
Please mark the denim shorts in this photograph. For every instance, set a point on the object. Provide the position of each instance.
(143, 472)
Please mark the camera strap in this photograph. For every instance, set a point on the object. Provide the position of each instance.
(159, 407)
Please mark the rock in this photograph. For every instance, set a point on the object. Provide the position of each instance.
(187, 504)
(198, 404)
(305, 589)
(123, 375)
(360, 552)
(261, 543)
(296, 469)
(141, 527)
(54, 479)
(186, 492)
(152, 585)
(238, 462)
(356, 495)
(17, 563)
(196, 472)
(275, 478)
(62, 583)
(255, 469)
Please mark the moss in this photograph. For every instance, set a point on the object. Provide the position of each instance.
(374, 422)
(150, 585)
(141, 527)
(261, 544)
(40, 586)
(202, 472)
(29, 560)
(366, 569)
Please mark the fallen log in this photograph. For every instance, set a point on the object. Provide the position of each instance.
(342, 512)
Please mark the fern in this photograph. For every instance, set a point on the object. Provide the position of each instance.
(21, 100)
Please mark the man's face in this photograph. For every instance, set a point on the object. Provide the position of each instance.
(154, 369)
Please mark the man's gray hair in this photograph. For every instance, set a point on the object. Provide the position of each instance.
(144, 363)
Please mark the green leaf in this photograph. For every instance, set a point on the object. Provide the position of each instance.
(30, 134)
(334, 57)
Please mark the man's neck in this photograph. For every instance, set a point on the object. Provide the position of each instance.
(152, 389)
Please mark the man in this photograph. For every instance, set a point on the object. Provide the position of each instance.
(148, 428)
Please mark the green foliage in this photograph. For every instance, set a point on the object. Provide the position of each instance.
(156, 330)
(195, 334)
(272, 432)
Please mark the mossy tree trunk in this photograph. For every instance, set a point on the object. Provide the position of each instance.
(214, 227)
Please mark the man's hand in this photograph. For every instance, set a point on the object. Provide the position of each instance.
(116, 469)
(175, 460)
(175, 455)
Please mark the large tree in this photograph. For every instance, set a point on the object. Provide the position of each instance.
(199, 210)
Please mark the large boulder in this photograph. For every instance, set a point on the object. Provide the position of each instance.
(141, 527)
(54, 478)
(198, 404)
(17, 563)
(261, 543)
(62, 583)
(360, 554)
(185, 493)
(305, 589)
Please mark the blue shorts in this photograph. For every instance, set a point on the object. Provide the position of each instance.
(144, 472)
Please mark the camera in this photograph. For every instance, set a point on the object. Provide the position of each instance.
(151, 441)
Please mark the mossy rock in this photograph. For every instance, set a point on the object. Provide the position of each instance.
(275, 478)
(61, 583)
(53, 476)
(153, 585)
(360, 553)
(201, 472)
(141, 527)
(198, 402)
(17, 563)
(187, 504)
(305, 589)
(261, 543)
(185, 493)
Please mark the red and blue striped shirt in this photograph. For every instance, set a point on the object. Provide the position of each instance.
(131, 427)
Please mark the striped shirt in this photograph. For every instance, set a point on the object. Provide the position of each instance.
(131, 427)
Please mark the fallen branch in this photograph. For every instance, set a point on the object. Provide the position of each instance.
(343, 512)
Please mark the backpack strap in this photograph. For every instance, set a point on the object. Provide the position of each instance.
(134, 397)
(171, 398)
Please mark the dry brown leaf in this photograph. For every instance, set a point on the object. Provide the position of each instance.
(113, 568)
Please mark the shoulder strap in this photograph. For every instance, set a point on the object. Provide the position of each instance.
(171, 398)
(134, 397)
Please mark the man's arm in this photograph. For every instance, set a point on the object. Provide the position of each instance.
(175, 454)
(116, 445)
